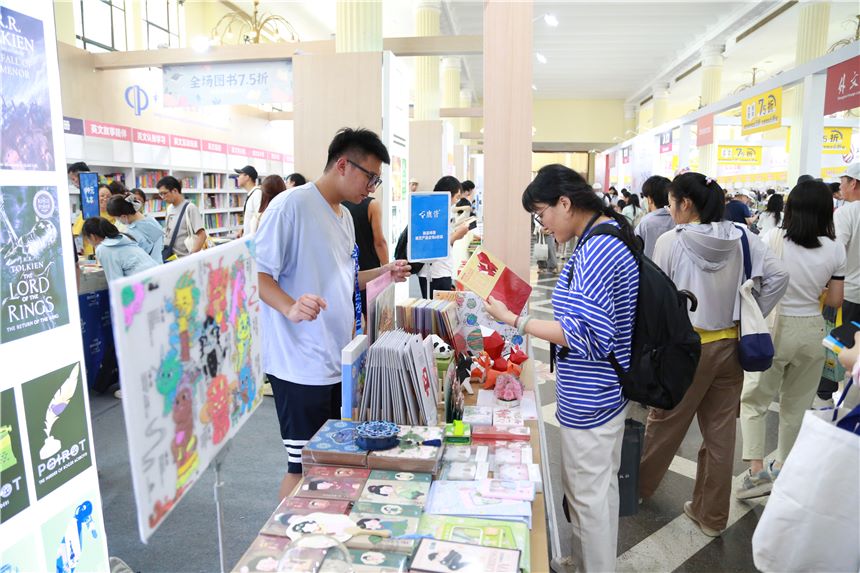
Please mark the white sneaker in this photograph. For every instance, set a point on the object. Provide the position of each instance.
(820, 403)
(562, 565)
(118, 394)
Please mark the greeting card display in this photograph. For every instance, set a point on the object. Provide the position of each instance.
(518, 490)
(397, 487)
(461, 498)
(374, 561)
(334, 472)
(334, 444)
(392, 518)
(478, 415)
(486, 532)
(290, 506)
(331, 488)
(435, 556)
(419, 450)
(264, 555)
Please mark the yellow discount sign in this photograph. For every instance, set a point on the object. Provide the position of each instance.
(762, 112)
(739, 154)
(836, 140)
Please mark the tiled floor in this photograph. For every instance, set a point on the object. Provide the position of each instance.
(660, 537)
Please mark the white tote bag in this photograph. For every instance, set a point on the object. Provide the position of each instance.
(541, 248)
(812, 519)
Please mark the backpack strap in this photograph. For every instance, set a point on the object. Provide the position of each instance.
(745, 246)
(176, 226)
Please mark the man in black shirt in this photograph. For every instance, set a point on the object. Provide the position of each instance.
(372, 246)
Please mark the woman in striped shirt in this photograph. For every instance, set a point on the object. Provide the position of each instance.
(594, 306)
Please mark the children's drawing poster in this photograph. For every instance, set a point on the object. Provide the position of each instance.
(187, 341)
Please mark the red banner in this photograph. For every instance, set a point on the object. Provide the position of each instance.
(151, 137)
(213, 146)
(705, 130)
(237, 150)
(843, 86)
(184, 142)
(258, 153)
(275, 156)
(107, 130)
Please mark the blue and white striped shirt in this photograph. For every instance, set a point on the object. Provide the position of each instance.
(596, 313)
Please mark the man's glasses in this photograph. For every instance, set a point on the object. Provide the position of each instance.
(373, 180)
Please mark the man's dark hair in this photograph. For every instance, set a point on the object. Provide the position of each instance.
(117, 188)
(468, 185)
(656, 189)
(450, 184)
(77, 167)
(358, 144)
(297, 179)
(170, 182)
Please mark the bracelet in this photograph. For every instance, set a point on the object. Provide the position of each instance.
(521, 323)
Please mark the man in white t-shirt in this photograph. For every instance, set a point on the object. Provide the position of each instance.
(247, 180)
(309, 280)
(846, 219)
(190, 221)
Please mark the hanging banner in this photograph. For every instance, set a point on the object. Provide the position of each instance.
(625, 155)
(705, 130)
(837, 140)
(739, 154)
(762, 112)
(843, 86)
(428, 226)
(199, 381)
(666, 142)
(248, 83)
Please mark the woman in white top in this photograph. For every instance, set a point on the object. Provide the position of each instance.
(816, 264)
(271, 187)
(772, 216)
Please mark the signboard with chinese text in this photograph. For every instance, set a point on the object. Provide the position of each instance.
(107, 130)
(89, 186)
(836, 140)
(762, 112)
(705, 130)
(739, 154)
(428, 226)
(666, 142)
(843, 86)
(228, 84)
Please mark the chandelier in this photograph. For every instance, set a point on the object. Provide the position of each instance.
(248, 29)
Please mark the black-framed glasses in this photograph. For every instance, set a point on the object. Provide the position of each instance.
(373, 180)
(539, 216)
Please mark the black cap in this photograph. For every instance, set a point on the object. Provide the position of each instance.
(249, 171)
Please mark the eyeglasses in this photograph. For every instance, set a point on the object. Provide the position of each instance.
(539, 216)
(373, 180)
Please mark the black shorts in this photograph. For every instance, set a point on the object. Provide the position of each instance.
(302, 410)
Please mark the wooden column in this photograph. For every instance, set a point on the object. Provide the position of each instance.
(508, 57)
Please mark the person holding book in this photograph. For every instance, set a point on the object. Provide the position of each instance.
(594, 306)
(309, 281)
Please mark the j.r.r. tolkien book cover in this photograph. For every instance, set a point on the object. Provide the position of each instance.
(26, 142)
(33, 296)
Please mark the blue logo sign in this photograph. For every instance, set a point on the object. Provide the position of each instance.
(428, 226)
(136, 99)
(89, 182)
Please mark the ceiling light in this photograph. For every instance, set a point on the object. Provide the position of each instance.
(200, 44)
(540, 57)
(550, 20)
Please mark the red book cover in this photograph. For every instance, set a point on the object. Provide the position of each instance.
(333, 471)
(487, 276)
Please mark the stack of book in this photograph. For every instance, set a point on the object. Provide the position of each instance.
(425, 317)
(462, 499)
(334, 444)
(419, 450)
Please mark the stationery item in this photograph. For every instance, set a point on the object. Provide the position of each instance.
(353, 359)
(290, 506)
(461, 498)
(419, 449)
(397, 487)
(334, 444)
(501, 433)
(507, 417)
(462, 453)
(398, 519)
(264, 554)
(375, 561)
(520, 490)
(478, 415)
(505, 455)
(311, 470)
(458, 433)
(331, 488)
(377, 435)
(425, 317)
(435, 556)
(464, 471)
(473, 318)
(487, 276)
(486, 532)
(380, 305)
(520, 472)
(337, 526)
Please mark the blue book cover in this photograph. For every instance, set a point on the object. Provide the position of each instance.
(353, 361)
(334, 444)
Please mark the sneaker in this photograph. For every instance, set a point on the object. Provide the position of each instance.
(756, 485)
(774, 472)
(688, 511)
(821, 403)
(267, 389)
(562, 565)
(118, 394)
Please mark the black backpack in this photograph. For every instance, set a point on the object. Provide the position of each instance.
(400, 251)
(666, 348)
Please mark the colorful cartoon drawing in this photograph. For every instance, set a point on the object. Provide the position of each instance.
(72, 543)
(219, 282)
(184, 446)
(485, 265)
(132, 301)
(217, 408)
(169, 375)
(246, 393)
(212, 352)
(237, 300)
(243, 340)
(184, 306)
(58, 404)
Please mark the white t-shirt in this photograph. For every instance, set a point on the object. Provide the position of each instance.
(847, 222)
(192, 221)
(252, 207)
(808, 271)
(766, 222)
(308, 249)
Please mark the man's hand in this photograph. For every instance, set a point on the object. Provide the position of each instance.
(499, 311)
(400, 270)
(306, 307)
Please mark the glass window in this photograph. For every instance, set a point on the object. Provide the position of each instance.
(157, 37)
(97, 22)
(156, 13)
(76, 7)
(119, 38)
(100, 25)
